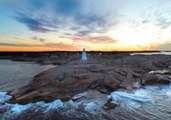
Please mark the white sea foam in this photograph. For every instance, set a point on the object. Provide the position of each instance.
(18, 109)
(13, 110)
(91, 107)
(57, 104)
(4, 97)
(141, 96)
(132, 100)
(71, 104)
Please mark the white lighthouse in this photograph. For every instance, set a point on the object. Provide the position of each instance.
(84, 55)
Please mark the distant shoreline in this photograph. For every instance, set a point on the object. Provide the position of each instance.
(61, 57)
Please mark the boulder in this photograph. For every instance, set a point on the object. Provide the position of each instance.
(111, 82)
(109, 105)
(149, 78)
(153, 78)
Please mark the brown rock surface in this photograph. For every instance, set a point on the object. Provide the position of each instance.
(77, 76)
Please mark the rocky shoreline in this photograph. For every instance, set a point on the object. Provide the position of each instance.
(103, 74)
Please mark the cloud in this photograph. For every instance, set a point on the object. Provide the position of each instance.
(93, 21)
(96, 40)
(83, 32)
(164, 46)
(59, 15)
(59, 46)
(62, 45)
(15, 45)
(158, 17)
(163, 22)
(31, 23)
(37, 38)
(145, 21)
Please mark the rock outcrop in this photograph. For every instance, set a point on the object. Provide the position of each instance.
(72, 78)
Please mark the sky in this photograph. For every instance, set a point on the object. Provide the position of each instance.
(98, 25)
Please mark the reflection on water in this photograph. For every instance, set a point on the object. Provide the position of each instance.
(152, 53)
(15, 74)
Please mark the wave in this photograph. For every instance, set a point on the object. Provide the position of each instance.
(139, 103)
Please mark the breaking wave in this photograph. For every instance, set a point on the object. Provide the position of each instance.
(150, 103)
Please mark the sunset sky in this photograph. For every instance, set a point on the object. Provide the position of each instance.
(106, 25)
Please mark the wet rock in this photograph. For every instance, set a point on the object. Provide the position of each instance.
(149, 78)
(104, 89)
(61, 77)
(126, 85)
(165, 79)
(65, 98)
(96, 70)
(168, 72)
(80, 76)
(152, 78)
(110, 105)
(78, 96)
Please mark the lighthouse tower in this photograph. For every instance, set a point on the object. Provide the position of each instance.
(84, 55)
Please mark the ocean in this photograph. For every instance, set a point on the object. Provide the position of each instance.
(15, 74)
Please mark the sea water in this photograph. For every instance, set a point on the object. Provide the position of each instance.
(16, 74)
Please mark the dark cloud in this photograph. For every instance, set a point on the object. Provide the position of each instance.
(61, 15)
(31, 23)
(38, 38)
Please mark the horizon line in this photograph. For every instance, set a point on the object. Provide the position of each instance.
(86, 51)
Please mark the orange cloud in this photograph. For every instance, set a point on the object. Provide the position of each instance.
(39, 48)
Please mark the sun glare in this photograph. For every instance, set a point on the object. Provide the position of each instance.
(130, 36)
